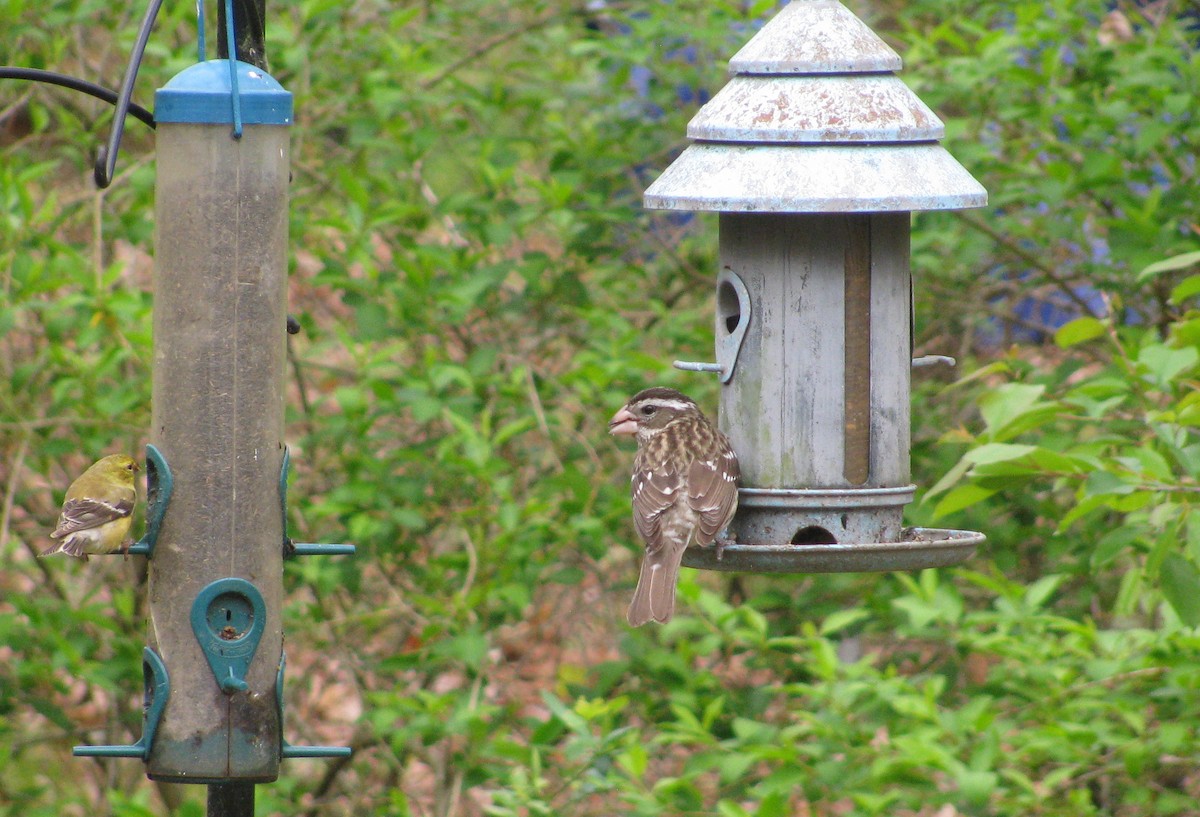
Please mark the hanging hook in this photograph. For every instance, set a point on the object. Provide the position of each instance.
(106, 156)
(231, 45)
(201, 56)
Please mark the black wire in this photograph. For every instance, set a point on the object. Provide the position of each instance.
(89, 88)
(106, 157)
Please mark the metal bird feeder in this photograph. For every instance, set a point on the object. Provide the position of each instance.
(815, 154)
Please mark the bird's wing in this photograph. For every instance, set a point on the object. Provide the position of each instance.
(654, 491)
(712, 493)
(85, 513)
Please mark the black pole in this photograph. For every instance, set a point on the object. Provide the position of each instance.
(231, 800)
(249, 31)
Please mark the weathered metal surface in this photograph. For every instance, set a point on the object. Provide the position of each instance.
(784, 407)
(806, 432)
(816, 109)
(814, 515)
(814, 36)
(891, 354)
(919, 548)
(814, 122)
(802, 179)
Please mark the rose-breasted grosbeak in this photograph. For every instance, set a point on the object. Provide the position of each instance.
(684, 489)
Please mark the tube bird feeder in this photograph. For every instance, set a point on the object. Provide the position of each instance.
(216, 576)
(216, 515)
(815, 154)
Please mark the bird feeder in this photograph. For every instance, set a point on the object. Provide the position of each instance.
(217, 465)
(815, 154)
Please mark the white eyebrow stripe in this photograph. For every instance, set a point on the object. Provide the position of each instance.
(678, 405)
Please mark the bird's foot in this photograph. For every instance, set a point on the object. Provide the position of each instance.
(723, 541)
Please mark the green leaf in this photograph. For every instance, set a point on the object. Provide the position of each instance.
(977, 786)
(635, 759)
(948, 479)
(997, 452)
(841, 619)
(1107, 483)
(1084, 507)
(1185, 289)
(1180, 581)
(963, 496)
(1163, 363)
(372, 321)
(1079, 331)
(1037, 593)
(1005, 404)
(728, 808)
(773, 805)
(1175, 262)
(1113, 544)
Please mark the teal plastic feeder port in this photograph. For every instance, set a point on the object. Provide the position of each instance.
(228, 618)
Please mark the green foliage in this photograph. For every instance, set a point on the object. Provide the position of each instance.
(1108, 438)
(479, 288)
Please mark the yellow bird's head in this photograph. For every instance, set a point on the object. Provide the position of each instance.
(116, 467)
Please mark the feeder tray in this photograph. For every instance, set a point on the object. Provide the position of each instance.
(920, 548)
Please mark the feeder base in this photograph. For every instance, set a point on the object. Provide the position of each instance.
(918, 549)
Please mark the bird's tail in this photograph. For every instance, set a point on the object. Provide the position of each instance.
(70, 545)
(654, 598)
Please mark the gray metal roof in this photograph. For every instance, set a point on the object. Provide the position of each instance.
(814, 37)
(820, 109)
(813, 121)
(815, 179)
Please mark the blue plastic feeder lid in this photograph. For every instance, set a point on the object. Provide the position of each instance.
(200, 94)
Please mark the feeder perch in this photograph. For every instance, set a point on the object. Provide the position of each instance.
(287, 750)
(157, 691)
(291, 548)
(815, 154)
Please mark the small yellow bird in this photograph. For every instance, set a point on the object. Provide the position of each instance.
(98, 510)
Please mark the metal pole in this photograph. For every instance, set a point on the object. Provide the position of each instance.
(231, 800)
(249, 24)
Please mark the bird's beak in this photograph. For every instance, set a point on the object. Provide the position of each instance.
(623, 423)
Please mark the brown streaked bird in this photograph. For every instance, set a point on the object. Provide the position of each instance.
(684, 490)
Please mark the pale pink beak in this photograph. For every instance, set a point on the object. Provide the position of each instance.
(623, 422)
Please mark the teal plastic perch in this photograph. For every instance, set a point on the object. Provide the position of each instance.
(158, 689)
(291, 548)
(287, 750)
(308, 549)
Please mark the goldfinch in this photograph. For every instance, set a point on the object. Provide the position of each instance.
(98, 510)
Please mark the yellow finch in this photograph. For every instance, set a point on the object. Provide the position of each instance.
(99, 507)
